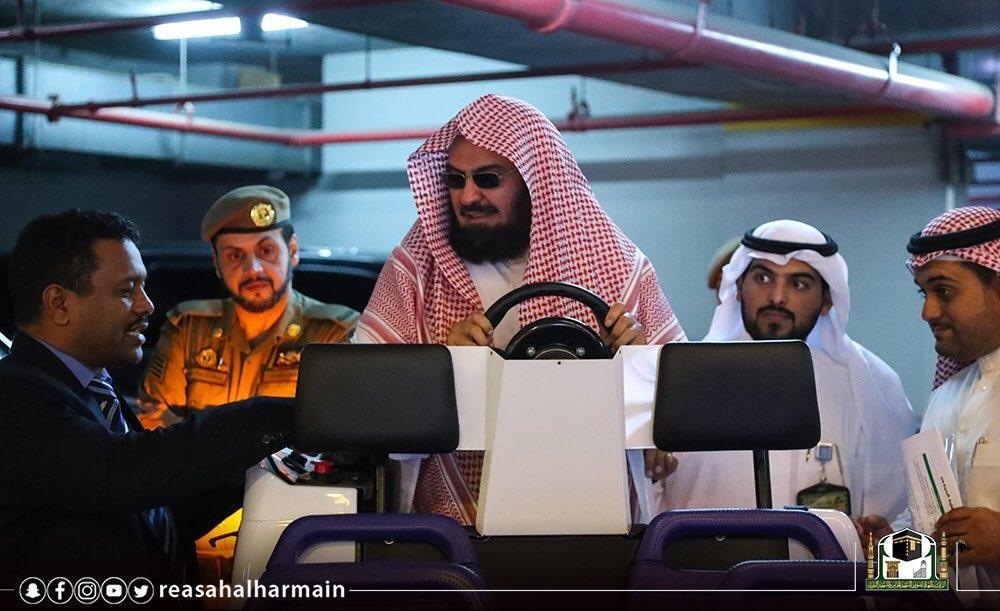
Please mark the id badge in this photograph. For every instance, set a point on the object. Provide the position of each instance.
(825, 495)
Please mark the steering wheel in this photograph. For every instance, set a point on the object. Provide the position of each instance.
(555, 337)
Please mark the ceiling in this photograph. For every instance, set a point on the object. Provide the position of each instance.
(957, 36)
(296, 54)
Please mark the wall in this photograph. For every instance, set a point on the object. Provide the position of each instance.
(77, 84)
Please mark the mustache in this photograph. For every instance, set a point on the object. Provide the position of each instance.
(478, 207)
(258, 278)
(774, 308)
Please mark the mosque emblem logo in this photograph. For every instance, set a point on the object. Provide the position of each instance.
(907, 560)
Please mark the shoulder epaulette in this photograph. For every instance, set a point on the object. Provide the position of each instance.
(204, 308)
(328, 311)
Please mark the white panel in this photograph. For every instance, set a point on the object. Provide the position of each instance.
(536, 481)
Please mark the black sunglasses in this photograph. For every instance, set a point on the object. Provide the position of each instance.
(487, 179)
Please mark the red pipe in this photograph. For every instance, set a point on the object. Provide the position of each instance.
(783, 56)
(28, 33)
(299, 90)
(627, 121)
(983, 200)
(155, 120)
(941, 45)
(973, 130)
(242, 131)
(852, 73)
(722, 116)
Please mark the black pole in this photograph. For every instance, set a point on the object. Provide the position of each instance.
(381, 482)
(762, 478)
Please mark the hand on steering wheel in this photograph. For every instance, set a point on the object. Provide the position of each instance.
(475, 330)
(555, 337)
(623, 329)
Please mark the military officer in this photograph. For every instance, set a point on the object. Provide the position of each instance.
(216, 351)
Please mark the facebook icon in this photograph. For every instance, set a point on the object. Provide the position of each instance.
(59, 590)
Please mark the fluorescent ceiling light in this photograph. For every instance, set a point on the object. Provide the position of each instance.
(224, 26)
(272, 22)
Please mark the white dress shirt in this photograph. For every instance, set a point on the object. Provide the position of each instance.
(966, 409)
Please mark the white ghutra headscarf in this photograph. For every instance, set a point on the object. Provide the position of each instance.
(878, 416)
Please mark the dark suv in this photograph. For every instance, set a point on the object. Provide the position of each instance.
(179, 272)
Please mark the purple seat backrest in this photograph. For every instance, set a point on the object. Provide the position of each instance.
(442, 532)
(839, 575)
(453, 583)
(651, 572)
(422, 585)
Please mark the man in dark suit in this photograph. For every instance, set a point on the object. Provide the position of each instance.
(85, 490)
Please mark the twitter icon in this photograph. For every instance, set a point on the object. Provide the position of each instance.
(140, 590)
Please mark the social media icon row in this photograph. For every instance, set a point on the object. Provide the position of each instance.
(86, 590)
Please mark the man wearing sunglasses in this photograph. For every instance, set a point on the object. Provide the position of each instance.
(502, 203)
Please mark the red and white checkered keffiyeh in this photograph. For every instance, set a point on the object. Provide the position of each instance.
(425, 288)
(986, 254)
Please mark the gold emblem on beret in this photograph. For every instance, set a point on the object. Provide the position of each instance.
(206, 358)
(294, 330)
(262, 214)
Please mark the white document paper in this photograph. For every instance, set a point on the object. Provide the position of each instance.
(931, 482)
(934, 492)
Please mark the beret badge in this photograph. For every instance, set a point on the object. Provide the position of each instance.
(262, 214)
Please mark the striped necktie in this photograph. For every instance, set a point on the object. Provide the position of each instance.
(158, 519)
(104, 393)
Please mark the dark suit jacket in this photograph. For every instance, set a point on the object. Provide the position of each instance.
(72, 493)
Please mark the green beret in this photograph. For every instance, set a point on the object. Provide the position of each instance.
(247, 210)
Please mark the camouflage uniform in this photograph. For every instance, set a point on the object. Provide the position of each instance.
(203, 358)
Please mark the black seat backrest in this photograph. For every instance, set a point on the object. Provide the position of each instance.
(376, 398)
(735, 396)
